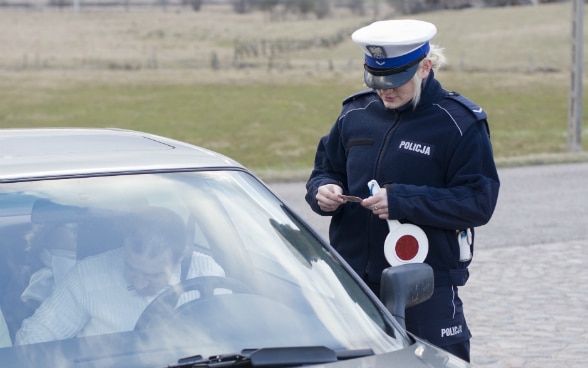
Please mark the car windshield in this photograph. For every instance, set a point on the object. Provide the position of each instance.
(145, 269)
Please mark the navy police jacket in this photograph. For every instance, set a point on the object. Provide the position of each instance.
(437, 166)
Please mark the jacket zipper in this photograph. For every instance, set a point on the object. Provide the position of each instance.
(376, 171)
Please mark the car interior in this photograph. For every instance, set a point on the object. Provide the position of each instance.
(258, 295)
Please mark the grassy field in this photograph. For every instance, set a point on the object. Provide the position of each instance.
(151, 70)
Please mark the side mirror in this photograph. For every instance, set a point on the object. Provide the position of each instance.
(404, 286)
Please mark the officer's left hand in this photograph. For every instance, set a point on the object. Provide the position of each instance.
(378, 204)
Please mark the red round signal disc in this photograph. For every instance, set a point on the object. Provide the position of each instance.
(407, 247)
(407, 243)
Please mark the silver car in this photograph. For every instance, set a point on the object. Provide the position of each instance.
(126, 249)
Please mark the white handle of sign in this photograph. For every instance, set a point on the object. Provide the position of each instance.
(374, 189)
(405, 243)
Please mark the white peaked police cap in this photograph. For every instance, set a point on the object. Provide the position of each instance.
(393, 50)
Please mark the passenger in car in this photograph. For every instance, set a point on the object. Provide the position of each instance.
(43, 253)
(55, 245)
(108, 292)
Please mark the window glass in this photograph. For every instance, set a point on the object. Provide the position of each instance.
(76, 248)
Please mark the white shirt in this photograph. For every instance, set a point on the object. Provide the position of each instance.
(5, 340)
(94, 299)
(41, 283)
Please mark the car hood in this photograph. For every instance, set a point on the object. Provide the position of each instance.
(419, 354)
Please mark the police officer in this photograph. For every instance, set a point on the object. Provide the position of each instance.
(430, 151)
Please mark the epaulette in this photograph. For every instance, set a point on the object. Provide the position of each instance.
(358, 94)
(478, 112)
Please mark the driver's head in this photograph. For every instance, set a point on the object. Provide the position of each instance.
(155, 246)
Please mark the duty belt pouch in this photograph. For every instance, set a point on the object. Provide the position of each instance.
(459, 277)
(465, 239)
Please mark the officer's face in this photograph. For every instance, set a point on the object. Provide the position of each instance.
(393, 98)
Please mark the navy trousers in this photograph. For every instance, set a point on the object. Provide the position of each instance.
(439, 320)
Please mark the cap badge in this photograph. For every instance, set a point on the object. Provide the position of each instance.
(377, 52)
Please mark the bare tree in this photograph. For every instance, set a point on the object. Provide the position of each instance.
(357, 6)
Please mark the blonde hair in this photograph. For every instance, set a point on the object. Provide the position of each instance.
(438, 59)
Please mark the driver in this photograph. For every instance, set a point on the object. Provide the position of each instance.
(108, 292)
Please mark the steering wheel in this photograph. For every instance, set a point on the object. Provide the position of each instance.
(164, 304)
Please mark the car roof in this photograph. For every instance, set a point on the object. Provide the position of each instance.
(49, 152)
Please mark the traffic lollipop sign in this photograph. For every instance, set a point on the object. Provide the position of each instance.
(405, 243)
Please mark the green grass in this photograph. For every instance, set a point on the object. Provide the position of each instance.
(513, 61)
(527, 115)
(261, 126)
(278, 126)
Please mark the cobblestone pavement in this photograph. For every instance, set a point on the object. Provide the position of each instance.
(527, 306)
(527, 298)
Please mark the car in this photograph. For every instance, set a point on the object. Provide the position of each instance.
(266, 289)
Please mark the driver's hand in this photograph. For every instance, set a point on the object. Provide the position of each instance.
(327, 197)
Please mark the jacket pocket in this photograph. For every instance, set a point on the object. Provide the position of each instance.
(359, 142)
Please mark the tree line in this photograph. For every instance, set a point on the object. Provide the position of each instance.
(322, 8)
(283, 9)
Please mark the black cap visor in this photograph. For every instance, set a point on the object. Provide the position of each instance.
(390, 78)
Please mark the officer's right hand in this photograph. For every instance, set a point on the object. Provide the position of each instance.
(328, 198)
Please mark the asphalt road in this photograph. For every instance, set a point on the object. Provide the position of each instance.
(527, 297)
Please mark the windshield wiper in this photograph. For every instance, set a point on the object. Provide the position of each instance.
(274, 357)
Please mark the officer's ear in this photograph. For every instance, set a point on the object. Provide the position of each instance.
(425, 68)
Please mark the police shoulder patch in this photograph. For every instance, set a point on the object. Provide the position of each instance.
(359, 94)
(476, 110)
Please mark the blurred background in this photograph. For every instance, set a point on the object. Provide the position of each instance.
(263, 80)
